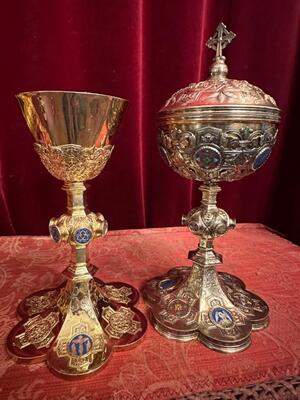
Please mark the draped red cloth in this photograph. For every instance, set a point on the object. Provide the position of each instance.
(158, 368)
(144, 50)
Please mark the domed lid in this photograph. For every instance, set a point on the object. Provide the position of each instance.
(219, 90)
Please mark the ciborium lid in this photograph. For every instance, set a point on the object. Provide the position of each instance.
(218, 129)
(219, 90)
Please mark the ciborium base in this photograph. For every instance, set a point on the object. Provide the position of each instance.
(43, 313)
(198, 302)
(182, 319)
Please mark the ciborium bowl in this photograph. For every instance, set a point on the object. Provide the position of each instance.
(75, 326)
(217, 130)
(217, 143)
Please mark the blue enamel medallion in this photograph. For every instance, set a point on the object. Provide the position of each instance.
(54, 233)
(208, 157)
(261, 157)
(82, 236)
(80, 345)
(167, 283)
(222, 317)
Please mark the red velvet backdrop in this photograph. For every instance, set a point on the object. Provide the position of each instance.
(144, 50)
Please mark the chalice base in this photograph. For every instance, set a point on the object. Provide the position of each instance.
(32, 339)
(183, 301)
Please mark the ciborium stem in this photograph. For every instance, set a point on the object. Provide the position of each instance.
(221, 325)
(207, 222)
(198, 302)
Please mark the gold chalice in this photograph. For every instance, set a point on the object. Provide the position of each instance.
(77, 325)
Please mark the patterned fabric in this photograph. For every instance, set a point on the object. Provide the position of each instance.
(157, 369)
(284, 389)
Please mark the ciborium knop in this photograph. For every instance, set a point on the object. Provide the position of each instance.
(216, 130)
(77, 325)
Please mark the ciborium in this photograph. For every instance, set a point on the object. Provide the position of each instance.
(216, 130)
(77, 325)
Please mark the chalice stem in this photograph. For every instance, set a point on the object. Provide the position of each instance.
(78, 267)
(81, 345)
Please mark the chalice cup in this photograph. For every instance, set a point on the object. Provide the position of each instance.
(75, 326)
(217, 130)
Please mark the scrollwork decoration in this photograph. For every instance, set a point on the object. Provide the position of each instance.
(73, 163)
(214, 154)
(227, 91)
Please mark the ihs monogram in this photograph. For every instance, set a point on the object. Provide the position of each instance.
(82, 346)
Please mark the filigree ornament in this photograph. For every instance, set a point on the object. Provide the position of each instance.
(174, 310)
(119, 295)
(73, 163)
(38, 331)
(80, 300)
(212, 92)
(120, 322)
(214, 154)
(246, 302)
(38, 304)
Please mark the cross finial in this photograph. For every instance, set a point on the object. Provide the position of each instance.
(220, 40)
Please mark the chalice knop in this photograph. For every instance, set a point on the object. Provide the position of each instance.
(216, 130)
(75, 326)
